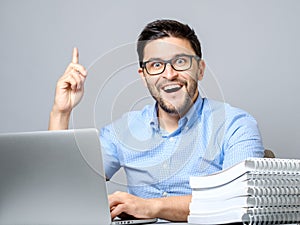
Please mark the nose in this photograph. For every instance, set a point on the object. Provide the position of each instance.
(169, 72)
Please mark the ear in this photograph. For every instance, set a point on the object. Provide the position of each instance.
(201, 69)
(141, 73)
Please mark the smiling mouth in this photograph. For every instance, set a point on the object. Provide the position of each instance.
(172, 88)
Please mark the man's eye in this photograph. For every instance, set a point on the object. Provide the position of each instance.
(156, 64)
(180, 61)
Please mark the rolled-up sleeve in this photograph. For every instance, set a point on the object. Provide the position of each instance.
(109, 152)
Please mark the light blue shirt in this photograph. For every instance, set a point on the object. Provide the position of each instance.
(212, 136)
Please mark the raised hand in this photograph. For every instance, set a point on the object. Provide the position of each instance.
(69, 91)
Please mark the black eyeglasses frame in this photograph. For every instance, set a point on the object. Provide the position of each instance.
(143, 64)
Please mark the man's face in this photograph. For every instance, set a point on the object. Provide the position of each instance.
(174, 91)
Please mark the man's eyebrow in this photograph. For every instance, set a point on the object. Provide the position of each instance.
(154, 59)
(160, 59)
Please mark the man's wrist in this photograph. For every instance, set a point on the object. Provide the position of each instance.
(155, 206)
(59, 120)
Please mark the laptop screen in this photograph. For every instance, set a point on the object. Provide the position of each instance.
(52, 177)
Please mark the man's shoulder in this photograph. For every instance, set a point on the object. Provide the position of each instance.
(142, 115)
(223, 113)
(132, 120)
(215, 106)
(131, 129)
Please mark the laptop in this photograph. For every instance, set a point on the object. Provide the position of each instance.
(54, 177)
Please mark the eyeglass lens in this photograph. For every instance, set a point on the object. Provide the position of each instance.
(179, 63)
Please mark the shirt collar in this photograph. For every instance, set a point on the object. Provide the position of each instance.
(187, 120)
(192, 115)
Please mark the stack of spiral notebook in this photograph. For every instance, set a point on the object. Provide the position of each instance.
(255, 191)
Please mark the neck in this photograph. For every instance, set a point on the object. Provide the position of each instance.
(167, 121)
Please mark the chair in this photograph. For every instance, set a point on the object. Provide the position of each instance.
(269, 154)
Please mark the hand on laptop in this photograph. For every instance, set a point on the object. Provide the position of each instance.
(172, 208)
(69, 91)
(122, 202)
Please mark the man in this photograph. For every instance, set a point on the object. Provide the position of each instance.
(182, 135)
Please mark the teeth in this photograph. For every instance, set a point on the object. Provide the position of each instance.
(172, 88)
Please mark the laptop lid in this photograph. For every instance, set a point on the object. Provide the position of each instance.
(52, 177)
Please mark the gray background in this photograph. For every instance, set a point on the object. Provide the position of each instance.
(251, 49)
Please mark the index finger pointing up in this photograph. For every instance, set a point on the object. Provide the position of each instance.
(75, 57)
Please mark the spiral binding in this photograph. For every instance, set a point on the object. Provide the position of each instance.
(279, 200)
(288, 165)
(273, 182)
(273, 209)
(274, 190)
(278, 218)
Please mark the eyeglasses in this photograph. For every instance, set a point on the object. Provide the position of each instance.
(179, 63)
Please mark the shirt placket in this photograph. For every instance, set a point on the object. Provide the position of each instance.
(165, 171)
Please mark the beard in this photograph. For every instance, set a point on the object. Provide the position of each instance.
(182, 107)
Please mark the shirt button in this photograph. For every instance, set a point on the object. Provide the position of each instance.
(165, 194)
(165, 165)
(171, 139)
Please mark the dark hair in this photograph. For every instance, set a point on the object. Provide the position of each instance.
(166, 28)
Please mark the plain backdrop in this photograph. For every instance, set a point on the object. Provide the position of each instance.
(251, 49)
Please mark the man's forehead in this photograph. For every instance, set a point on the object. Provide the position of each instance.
(166, 48)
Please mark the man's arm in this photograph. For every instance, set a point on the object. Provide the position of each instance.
(69, 91)
(58, 120)
(174, 208)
